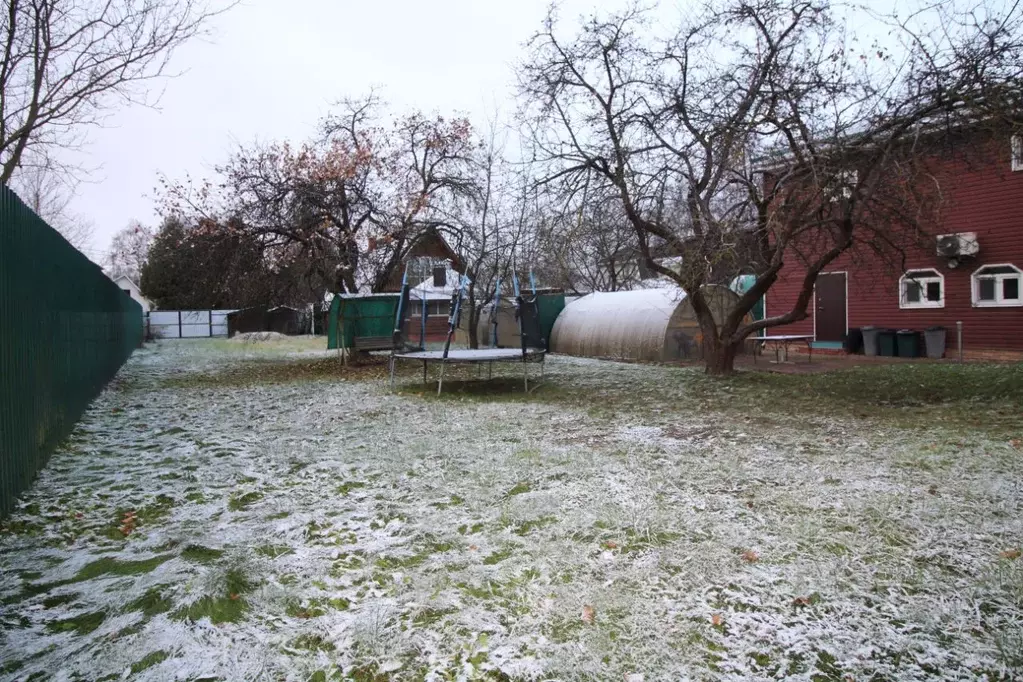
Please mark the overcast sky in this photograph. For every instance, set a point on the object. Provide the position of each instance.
(272, 68)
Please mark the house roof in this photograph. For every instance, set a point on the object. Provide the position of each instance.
(427, 291)
(126, 278)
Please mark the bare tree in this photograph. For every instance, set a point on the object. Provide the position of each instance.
(587, 244)
(351, 203)
(760, 134)
(489, 227)
(49, 192)
(65, 62)
(129, 250)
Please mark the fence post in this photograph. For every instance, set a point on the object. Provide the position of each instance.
(181, 331)
(209, 314)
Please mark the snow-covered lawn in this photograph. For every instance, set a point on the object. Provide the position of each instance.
(237, 512)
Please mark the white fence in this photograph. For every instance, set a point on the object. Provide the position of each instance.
(187, 324)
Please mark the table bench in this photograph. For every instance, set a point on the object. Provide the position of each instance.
(781, 346)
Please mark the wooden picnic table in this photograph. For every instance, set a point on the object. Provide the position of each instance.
(781, 345)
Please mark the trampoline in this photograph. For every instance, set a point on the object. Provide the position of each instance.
(533, 348)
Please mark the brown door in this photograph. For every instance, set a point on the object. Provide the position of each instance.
(829, 313)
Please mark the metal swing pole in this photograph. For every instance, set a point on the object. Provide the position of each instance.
(522, 337)
(456, 309)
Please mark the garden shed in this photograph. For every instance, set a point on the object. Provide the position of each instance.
(655, 325)
(549, 306)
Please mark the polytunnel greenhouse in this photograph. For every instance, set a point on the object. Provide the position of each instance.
(654, 325)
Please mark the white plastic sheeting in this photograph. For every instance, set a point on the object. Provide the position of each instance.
(620, 324)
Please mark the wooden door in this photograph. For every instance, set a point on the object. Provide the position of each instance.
(830, 307)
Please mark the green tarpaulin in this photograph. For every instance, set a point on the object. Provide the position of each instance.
(359, 315)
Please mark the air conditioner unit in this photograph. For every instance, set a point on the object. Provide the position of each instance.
(958, 245)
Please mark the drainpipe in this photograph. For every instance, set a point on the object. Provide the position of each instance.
(959, 338)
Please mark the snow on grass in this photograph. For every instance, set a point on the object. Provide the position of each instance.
(247, 511)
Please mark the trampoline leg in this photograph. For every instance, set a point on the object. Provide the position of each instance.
(525, 375)
(440, 380)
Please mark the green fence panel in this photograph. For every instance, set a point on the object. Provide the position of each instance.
(65, 330)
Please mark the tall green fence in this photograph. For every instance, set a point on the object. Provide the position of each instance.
(65, 330)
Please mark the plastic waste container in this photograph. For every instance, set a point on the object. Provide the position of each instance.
(907, 343)
(869, 340)
(854, 341)
(886, 343)
(934, 342)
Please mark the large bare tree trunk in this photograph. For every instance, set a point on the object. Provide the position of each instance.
(720, 358)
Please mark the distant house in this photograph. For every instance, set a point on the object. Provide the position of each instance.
(429, 252)
(433, 274)
(281, 319)
(970, 269)
(129, 287)
(434, 295)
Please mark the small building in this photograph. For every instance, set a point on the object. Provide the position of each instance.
(129, 287)
(968, 268)
(280, 319)
(550, 303)
(654, 325)
(433, 295)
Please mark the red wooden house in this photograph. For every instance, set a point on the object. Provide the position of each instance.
(969, 270)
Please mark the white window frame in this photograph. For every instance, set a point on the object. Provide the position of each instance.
(999, 302)
(923, 281)
(1016, 145)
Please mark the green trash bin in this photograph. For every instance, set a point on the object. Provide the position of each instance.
(907, 343)
(886, 343)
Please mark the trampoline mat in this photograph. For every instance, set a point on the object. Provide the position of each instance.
(479, 355)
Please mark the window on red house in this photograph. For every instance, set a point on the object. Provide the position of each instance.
(997, 285)
(922, 289)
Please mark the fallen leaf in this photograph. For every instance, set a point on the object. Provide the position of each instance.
(589, 614)
(749, 556)
(233, 596)
(1016, 443)
(933, 490)
(1010, 554)
(610, 544)
(716, 620)
(801, 601)
(473, 548)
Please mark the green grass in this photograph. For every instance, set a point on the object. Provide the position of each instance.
(113, 566)
(201, 555)
(152, 602)
(148, 661)
(80, 625)
(242, 502)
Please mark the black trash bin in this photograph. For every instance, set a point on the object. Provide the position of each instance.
(854, 341)
(886, 343)
(869, 340)
(934, 342)
(907, 343)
